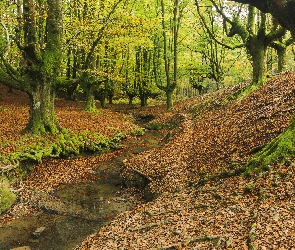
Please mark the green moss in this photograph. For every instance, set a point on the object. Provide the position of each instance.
(137, 132)
(64, 144)
(281, 149)
(154, 126)
(7, 198)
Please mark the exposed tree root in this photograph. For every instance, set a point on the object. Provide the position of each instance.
(215, 239)
(278, 150)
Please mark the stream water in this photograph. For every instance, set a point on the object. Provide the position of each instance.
(98, 202)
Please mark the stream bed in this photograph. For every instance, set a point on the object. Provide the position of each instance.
(96, 203)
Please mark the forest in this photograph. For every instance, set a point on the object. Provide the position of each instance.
(149, 124)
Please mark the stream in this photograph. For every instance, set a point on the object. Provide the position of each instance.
(98, 202)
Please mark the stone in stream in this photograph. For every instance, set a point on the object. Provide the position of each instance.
(38, 232)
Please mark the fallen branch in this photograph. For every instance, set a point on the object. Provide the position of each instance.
(149, 226)
(8, 167)
(215, 239)
(251, 237)
(18, 190)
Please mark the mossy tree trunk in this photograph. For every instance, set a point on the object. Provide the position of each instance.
(281, 46)
(283, 11)
(142, 74)
(40, 64)
(90, 100)
(281, 60)
(42, 116)
(257, 50)
(256, 36)
(169, 100)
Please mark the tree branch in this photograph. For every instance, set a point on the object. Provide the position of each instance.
(211, 33)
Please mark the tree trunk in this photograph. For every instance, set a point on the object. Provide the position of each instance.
(257, 51)
(281, 60)
(130, 98)
(169, 101)
(110, 98)
(143, 100)
(42, 117)
(44, 71)
(102, 101)
(90, 101)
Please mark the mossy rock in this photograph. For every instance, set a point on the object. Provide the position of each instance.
(154, 126)
(7, 198)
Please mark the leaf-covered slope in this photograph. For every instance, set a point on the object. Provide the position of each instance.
(232, 213)
(221, 137)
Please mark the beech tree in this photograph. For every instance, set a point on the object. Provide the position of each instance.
(254, 32)
(34, 64)
(283, 11)
(171, 83)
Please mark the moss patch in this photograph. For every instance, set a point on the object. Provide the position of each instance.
(280, 149)
(7, 198)
(64, 144)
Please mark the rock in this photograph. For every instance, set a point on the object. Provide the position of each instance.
(38, 231)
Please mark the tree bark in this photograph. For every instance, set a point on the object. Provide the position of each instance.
(257, 51)
(169, 100)
(90, 100)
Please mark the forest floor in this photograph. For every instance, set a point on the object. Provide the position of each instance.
(200, 204)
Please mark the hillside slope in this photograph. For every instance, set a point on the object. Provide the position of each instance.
(238, 212)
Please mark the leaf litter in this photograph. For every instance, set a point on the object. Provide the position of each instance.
(237, 212)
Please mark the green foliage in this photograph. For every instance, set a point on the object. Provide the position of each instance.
(7, 198)
(159, 126)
